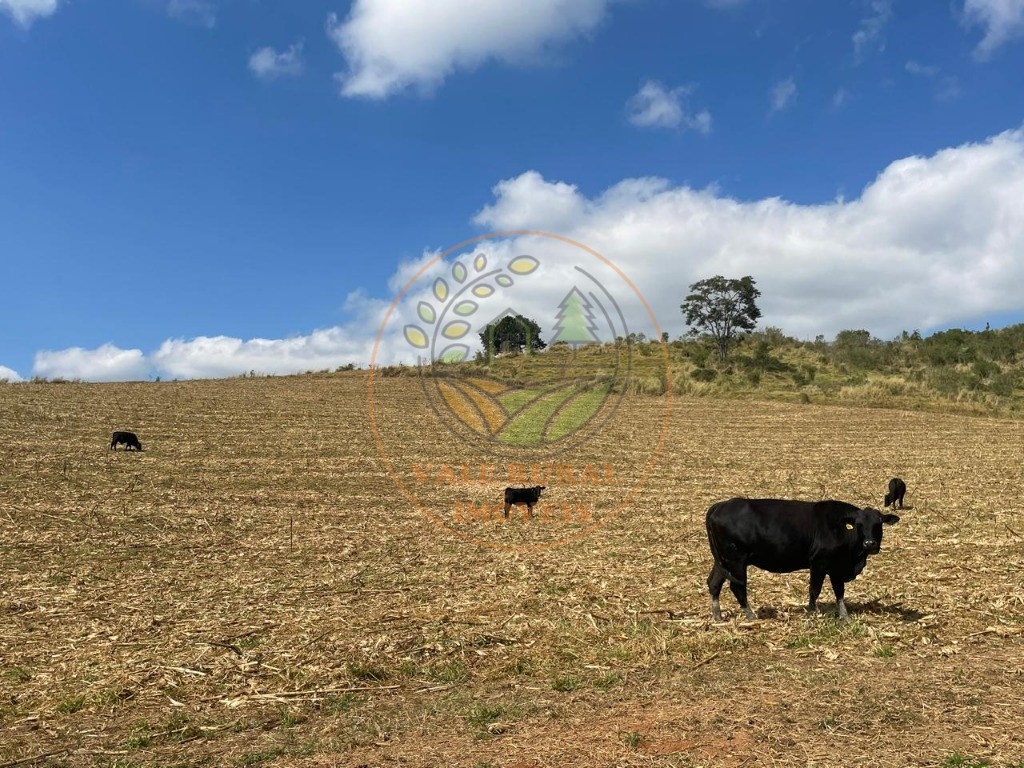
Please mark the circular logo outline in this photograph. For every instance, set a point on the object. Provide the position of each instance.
(626, 497)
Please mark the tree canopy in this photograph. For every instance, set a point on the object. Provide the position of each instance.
(722, 308)
(511, 334)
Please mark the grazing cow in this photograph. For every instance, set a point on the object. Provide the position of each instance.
(832, 538)
(520, 496)
(897, 489)
(128, 439)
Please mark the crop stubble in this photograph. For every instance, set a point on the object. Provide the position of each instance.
(253, 588)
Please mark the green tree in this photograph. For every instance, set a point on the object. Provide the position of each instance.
(722, 308)
(511, 334)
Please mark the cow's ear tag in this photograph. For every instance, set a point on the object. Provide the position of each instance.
(849, 526)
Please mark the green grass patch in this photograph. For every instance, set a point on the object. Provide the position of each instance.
(256, 758)
(367, 672)
(69, 706)
(959, 760)
(566, 683)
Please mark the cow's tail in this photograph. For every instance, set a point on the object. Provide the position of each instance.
(715, 550)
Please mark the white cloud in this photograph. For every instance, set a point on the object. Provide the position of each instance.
(783, 94)
(391, 45)
(945, 89)
(220, 356)
(530, 202)
(655, 106)
(8, 374)
(840, 97)
(932, 241)
(268, 64)
(24, 12)
(922, 70)
(105, 363)
(869, 36)
(1003, 21)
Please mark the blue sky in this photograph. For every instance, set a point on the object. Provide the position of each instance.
(213, 172)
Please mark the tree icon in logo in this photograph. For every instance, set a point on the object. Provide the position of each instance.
(574, 323)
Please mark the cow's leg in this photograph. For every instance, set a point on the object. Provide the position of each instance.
(507, 508)
(839, 587)
(740, 590)
(716, 579)
(817, 579)
(529, 511)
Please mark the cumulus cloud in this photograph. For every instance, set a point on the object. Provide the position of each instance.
(783, 94)
(1003, 20)
(8, 374)
(655, 106)
(219, 356)
(24, 12)
(268, 64)
(870, 35)
(391, 45)
(931, 241)
(105, 363)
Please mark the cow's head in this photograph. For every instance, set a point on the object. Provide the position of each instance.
(539, 488)
(866, 524)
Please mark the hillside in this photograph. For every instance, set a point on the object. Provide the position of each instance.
(957, 371)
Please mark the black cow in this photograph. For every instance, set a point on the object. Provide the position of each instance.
(897, 489)
(128, 439)
(527, 496)
(832, 538)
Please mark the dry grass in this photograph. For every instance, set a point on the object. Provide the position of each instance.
(253, 589)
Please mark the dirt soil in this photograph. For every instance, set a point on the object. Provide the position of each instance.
(253, 589)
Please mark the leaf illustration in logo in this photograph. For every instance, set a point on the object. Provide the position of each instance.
(465, 308)
(480, 262)
(483, 291)
(416, 337)
(440, 289)
(456, 353)
(523, 265)
(426, 312)
(504, 281)
(459, 271)
(456, 329)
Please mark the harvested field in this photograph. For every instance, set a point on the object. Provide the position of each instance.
(254, 589)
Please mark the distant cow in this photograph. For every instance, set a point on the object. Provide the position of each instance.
(897, 489)
(832, 538)
(128, 439)
(520, 496)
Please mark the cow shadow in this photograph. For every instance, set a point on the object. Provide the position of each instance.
(878, 608)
